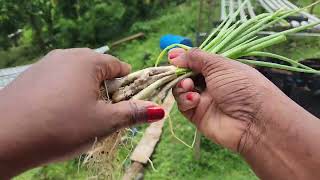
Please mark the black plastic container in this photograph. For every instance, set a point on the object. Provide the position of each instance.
(304, 89)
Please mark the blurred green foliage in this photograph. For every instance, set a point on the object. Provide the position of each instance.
(61, 24)
(50, 24)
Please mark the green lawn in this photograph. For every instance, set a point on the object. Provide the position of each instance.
(173, 160)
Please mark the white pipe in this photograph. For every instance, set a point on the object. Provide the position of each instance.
(275, 5)
(281, 4)
(223, 14)
(231, 7)
(242, 13)
(310, 16)
(250, 9)
(102, 49)
(265, 6)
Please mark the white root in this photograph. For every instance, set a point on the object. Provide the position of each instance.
(164, 91)
(139, 84)
(145, 93)
(142, 85)
(114, 85)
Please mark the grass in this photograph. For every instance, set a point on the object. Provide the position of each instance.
(17, 56)
(143, 53)
(65, 170)
(175, 161)
(172, 159)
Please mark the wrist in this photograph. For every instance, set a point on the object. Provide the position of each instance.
(261, 143)
(267, 108)
(279, 138)
(6, 170)
(274, 114)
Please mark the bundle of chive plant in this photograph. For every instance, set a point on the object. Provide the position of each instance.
(232, 40)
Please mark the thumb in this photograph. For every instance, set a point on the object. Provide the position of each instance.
(128, 113)
(194, 59)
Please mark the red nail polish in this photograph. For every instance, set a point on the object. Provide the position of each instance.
(155, 113)
(173, 55)
(190, 96)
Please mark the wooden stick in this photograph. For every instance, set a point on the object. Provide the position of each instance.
(143, 152)
(197, 146)
(133, 171)
(126, 39)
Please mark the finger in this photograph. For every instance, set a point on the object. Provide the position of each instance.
(175, 52)
(127, 113)
(111, 66)
(188, 101)
(108, 66)
(196, 60)
(183, 86)
(188, 114)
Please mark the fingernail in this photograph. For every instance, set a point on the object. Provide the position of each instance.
(180, 84)
(190, 96)
(154, 113)
(173, 55)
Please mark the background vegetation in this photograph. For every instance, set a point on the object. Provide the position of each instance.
(50, 24)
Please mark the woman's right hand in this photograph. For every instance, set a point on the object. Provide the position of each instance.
(229, 110)
(242, 110)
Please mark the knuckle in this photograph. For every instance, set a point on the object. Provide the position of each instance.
(86, 49)
(82, 51)
(194, 53)
(136, 114)
(109, 57)
(181, 107)
(56, 52)
(115, 68)
(107, 70)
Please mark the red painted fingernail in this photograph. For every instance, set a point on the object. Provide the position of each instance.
(190, 96)
(154, 113)
(173, 55)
